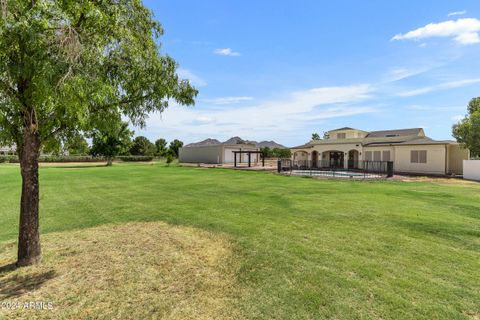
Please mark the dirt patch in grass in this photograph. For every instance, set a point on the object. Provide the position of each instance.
(439, 180)
(131, 271)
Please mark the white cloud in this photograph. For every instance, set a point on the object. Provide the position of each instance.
(279, 119)
(226, 52)
(457, 13)
(442, 86)
(463, 31)
(227, 100)
(400, 73)
(194, 79)
(457, 118)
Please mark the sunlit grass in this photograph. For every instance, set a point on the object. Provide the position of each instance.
(305, 248)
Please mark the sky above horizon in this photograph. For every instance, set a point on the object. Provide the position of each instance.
(281, 70)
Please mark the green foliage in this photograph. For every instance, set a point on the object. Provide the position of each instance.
(282, 153)
(169, 158)
(467, 131)
(73, 66)
(111, 142)
(174, 146)
(315, 136)
(134, 158)
(141, 146)
(55, 158)
(77, 146)
(276, 152)
(9, 159)
(161, 147)
(326, 135)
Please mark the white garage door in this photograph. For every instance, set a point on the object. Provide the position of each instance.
(228, 156)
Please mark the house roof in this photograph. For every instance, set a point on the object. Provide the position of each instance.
(344, 128)
(419, 141)
(395, 133)
(303, 146)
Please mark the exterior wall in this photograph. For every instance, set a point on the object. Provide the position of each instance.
(456, 155)
(299, 155)
(380, 149)
(349, 134)
(216, 154)
(228, 156)
(436, 156)
(471, 169)
(203, 154)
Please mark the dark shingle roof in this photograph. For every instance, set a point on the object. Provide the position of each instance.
(395, 133)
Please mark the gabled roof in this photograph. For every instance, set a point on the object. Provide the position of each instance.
(344, 128)
(395, 133)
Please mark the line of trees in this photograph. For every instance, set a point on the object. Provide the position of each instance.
(117, 141)
(276, 152)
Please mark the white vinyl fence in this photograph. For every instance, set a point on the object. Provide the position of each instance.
(471, 169)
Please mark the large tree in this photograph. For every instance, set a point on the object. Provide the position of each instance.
(71, 66)
(112, 141)
(467, 131)
(77, 145)
(161, 147)
(174, 146)
(141, 146)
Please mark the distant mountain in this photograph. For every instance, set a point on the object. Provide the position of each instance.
(237, 140)
(206, 142)
(270, 144)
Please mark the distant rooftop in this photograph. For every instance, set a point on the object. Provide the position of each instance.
(344, 128)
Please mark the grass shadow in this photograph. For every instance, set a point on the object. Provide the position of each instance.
(8, 267)
(16, 285)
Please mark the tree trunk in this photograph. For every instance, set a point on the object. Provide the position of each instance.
(109, 162)
(29, 237)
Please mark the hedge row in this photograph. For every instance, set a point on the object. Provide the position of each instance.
(134, 158)
(14, 159)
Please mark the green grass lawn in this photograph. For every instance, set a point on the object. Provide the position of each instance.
(307, 249)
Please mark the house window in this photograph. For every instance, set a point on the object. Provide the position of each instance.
(368, 155)
(418, 156)
(386, 156)
(341, 135)
(377, 156)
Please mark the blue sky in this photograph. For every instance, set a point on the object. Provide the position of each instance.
(281, 70)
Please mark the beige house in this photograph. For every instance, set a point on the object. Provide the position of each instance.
(217, 154)
(409, 149)
(7, 150)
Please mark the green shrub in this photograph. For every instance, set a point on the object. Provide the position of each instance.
(8, 159)
(169, 158)
(52, 158)
(134, 158)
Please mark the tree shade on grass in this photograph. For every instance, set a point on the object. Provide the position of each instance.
(306, 248)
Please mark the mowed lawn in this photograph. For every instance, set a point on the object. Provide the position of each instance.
(302, 248)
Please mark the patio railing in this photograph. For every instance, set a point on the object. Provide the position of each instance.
(333, 167)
